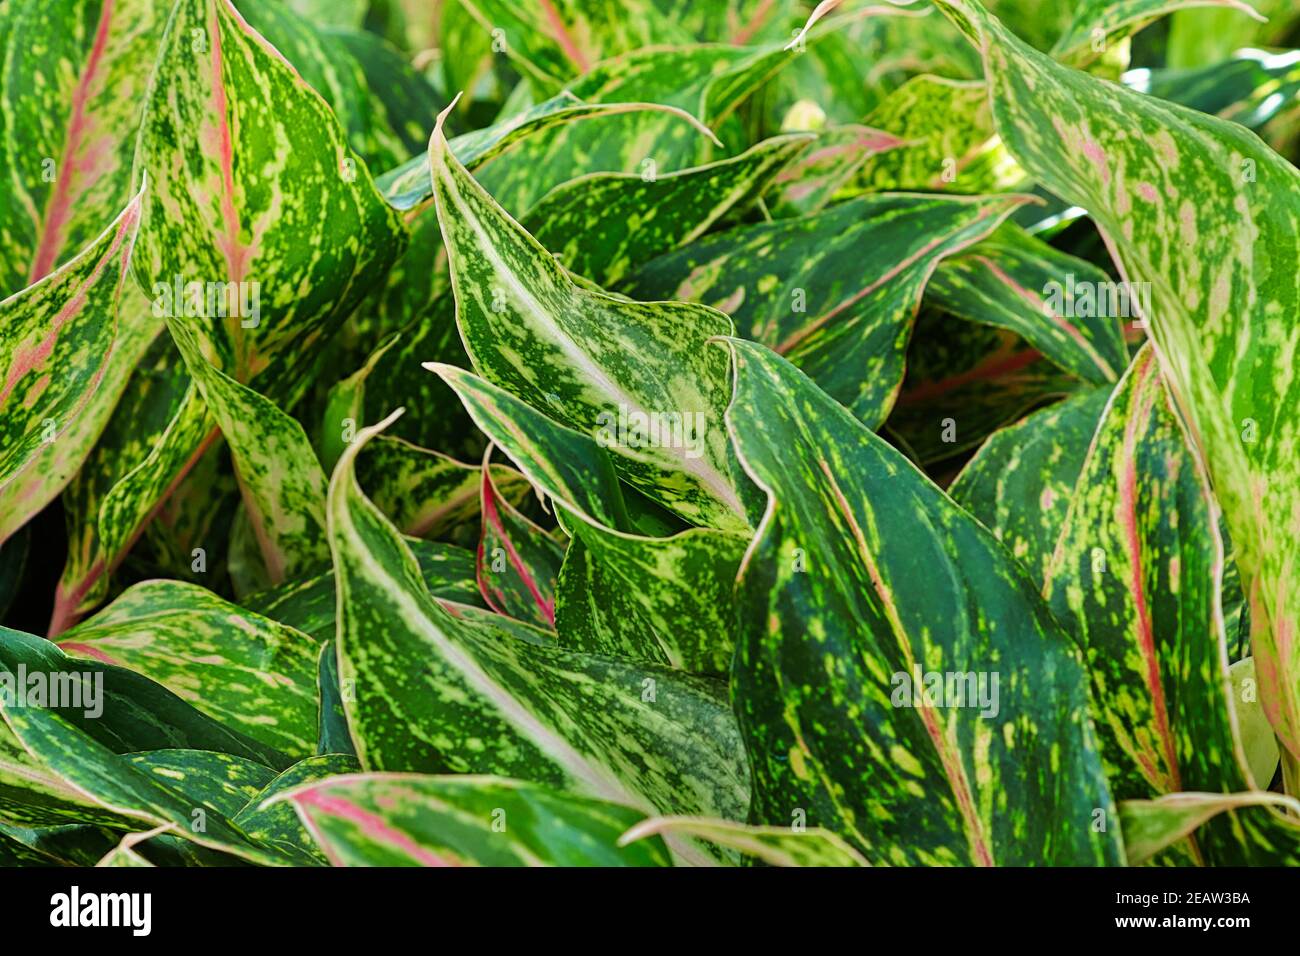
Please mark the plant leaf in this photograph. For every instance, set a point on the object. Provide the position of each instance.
(439, 693)
(1216, 207)
(245, 670)
(861, 570)
(531, 330)
(835, 292)
(775, 846)
(414, 820)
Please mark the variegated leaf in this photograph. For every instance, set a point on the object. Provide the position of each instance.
(1066, 308)
(71, 93)
(282, 483)
(579, 354)
(1021, 481)
(1200, 210)
(238, 667)
(309, 605)
(863, 582)
(1151, 826)
(435, 692)
(835, 292)
(413, 820)
(222, 226)
(274, 823)
(818, 175)
(669, 598)
(775, 846)
(58, 341)
(517, 561)
(1137, 579)
(603, 225)
(1100, 24)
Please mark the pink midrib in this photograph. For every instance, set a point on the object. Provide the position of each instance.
(28, 359)
(56, 214)
(372, 825)
(493, 518)
(1132, 541)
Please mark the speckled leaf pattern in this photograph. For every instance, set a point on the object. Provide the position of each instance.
(1136, 578)
(605, 224)
(273, 166)
(1153, 825)
(439, 693)
(407, 187)
(282, 482)
(671, 596)
(415, 820)
(309, 605)
(73, 80)
(517, 561)
(119, 785)
(863, 577)
(818, 175)
(775, 846)
(835, 292)
(579, 354)
(1110, 21)
(334, 62)
(1021, 481)
(707, 82)
(112, 503)
(274, 824)
(1013, 281)
(238, 667)
(1203, 211)
(948, 140)
(57, 339)
(551, 41)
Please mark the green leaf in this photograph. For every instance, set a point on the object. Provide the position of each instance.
(119, 786)
(439, 693)
(575, 353)
(225, 223)
(274, 823)
(517, 561)
(835, 292)
(775, 846)
(819, 174)
(863, 578)
(1199, 209)
(1014, 281)
(309, 605)
(1107, 22)
(1153, 825)
(602, 225)
(556, 40)
(407, 186)
(1021, 481)
(282, 483)
(243, 669)
(58, 341)
(948, 141)
(70, 101)
(667, 599)
(215, 781)
(413, 820)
